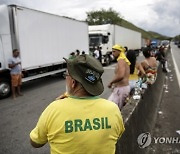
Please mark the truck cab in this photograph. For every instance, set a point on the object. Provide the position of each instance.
(101, 38)
(98, 39)
(5, 52)
(4, 75)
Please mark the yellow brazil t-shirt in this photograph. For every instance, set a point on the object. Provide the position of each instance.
(79, 126)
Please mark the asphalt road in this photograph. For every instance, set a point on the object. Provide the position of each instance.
(19, 117)
(167, 126)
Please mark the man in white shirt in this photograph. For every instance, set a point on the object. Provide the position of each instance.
(96, 53)
(14, 64)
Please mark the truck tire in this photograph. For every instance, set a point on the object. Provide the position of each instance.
(107, 60)
(5, 88)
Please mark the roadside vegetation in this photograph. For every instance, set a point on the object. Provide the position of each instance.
(111, 16)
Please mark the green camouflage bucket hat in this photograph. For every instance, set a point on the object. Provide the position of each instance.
(88, 71)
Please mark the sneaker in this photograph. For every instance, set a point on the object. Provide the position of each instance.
(164, 70)
(168, 71)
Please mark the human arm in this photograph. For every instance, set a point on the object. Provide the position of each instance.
(38, 136)
(143, 65)
(36, 145)
(141, 69)
(12, 65)
(119, 74)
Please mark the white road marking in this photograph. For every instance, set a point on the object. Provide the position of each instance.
(178, 131)
(176, 69)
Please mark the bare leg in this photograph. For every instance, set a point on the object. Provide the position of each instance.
(19, 90)
(13, 92)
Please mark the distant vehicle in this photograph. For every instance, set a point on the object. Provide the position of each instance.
(178, 45)
(165, 43)
(43, 40)
(155, 43)
(176, 42)
(108, 35)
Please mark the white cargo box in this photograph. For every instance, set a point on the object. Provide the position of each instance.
(44, 39)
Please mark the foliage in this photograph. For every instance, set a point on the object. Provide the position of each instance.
(177, 38)
(103, 17)
(112, 17)
(145, 34)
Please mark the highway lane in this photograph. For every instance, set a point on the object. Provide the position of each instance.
(19, 117)
(176, 58)
(167, 124)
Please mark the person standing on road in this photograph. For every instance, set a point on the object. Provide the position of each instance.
(77, 52)
(160, 56)
(120, 82)
(72, 55)
(83, 53)
(96, 53)
(14, 64)
(126, 49)
(100, 54)
(83, 122)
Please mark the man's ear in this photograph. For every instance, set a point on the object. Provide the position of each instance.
(74, 83)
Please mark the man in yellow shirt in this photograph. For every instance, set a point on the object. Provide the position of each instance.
(81, 123)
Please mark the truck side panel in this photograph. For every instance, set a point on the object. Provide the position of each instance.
(4, 18)
(127, 37)
(111, 38)
(5, 37)
(44, 39)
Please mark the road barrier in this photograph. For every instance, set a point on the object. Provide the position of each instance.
(139, 117)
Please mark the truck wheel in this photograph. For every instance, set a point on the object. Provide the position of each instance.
(5, 89)
(107, 60)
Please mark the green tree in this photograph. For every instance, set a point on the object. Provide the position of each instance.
(103, 16)
(177, 38)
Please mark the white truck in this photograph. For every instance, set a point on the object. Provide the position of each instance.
(43, 40)
(108, 35)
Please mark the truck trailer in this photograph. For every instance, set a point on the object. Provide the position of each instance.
(43, 40)
(105, 36)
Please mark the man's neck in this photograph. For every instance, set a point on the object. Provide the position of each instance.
(80, 92)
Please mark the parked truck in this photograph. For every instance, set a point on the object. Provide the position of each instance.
(43, 40)
(107, 35)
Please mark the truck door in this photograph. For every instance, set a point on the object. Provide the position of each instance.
(1, 55)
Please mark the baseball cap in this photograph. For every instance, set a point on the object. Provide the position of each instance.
(88, 71)
(118, 47)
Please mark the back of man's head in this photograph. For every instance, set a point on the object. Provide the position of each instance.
(87, 70)
(147, 52)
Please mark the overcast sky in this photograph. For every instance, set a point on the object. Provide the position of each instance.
(162, 16)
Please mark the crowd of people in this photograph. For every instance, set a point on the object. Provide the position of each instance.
(76, 53)
(80, 121)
